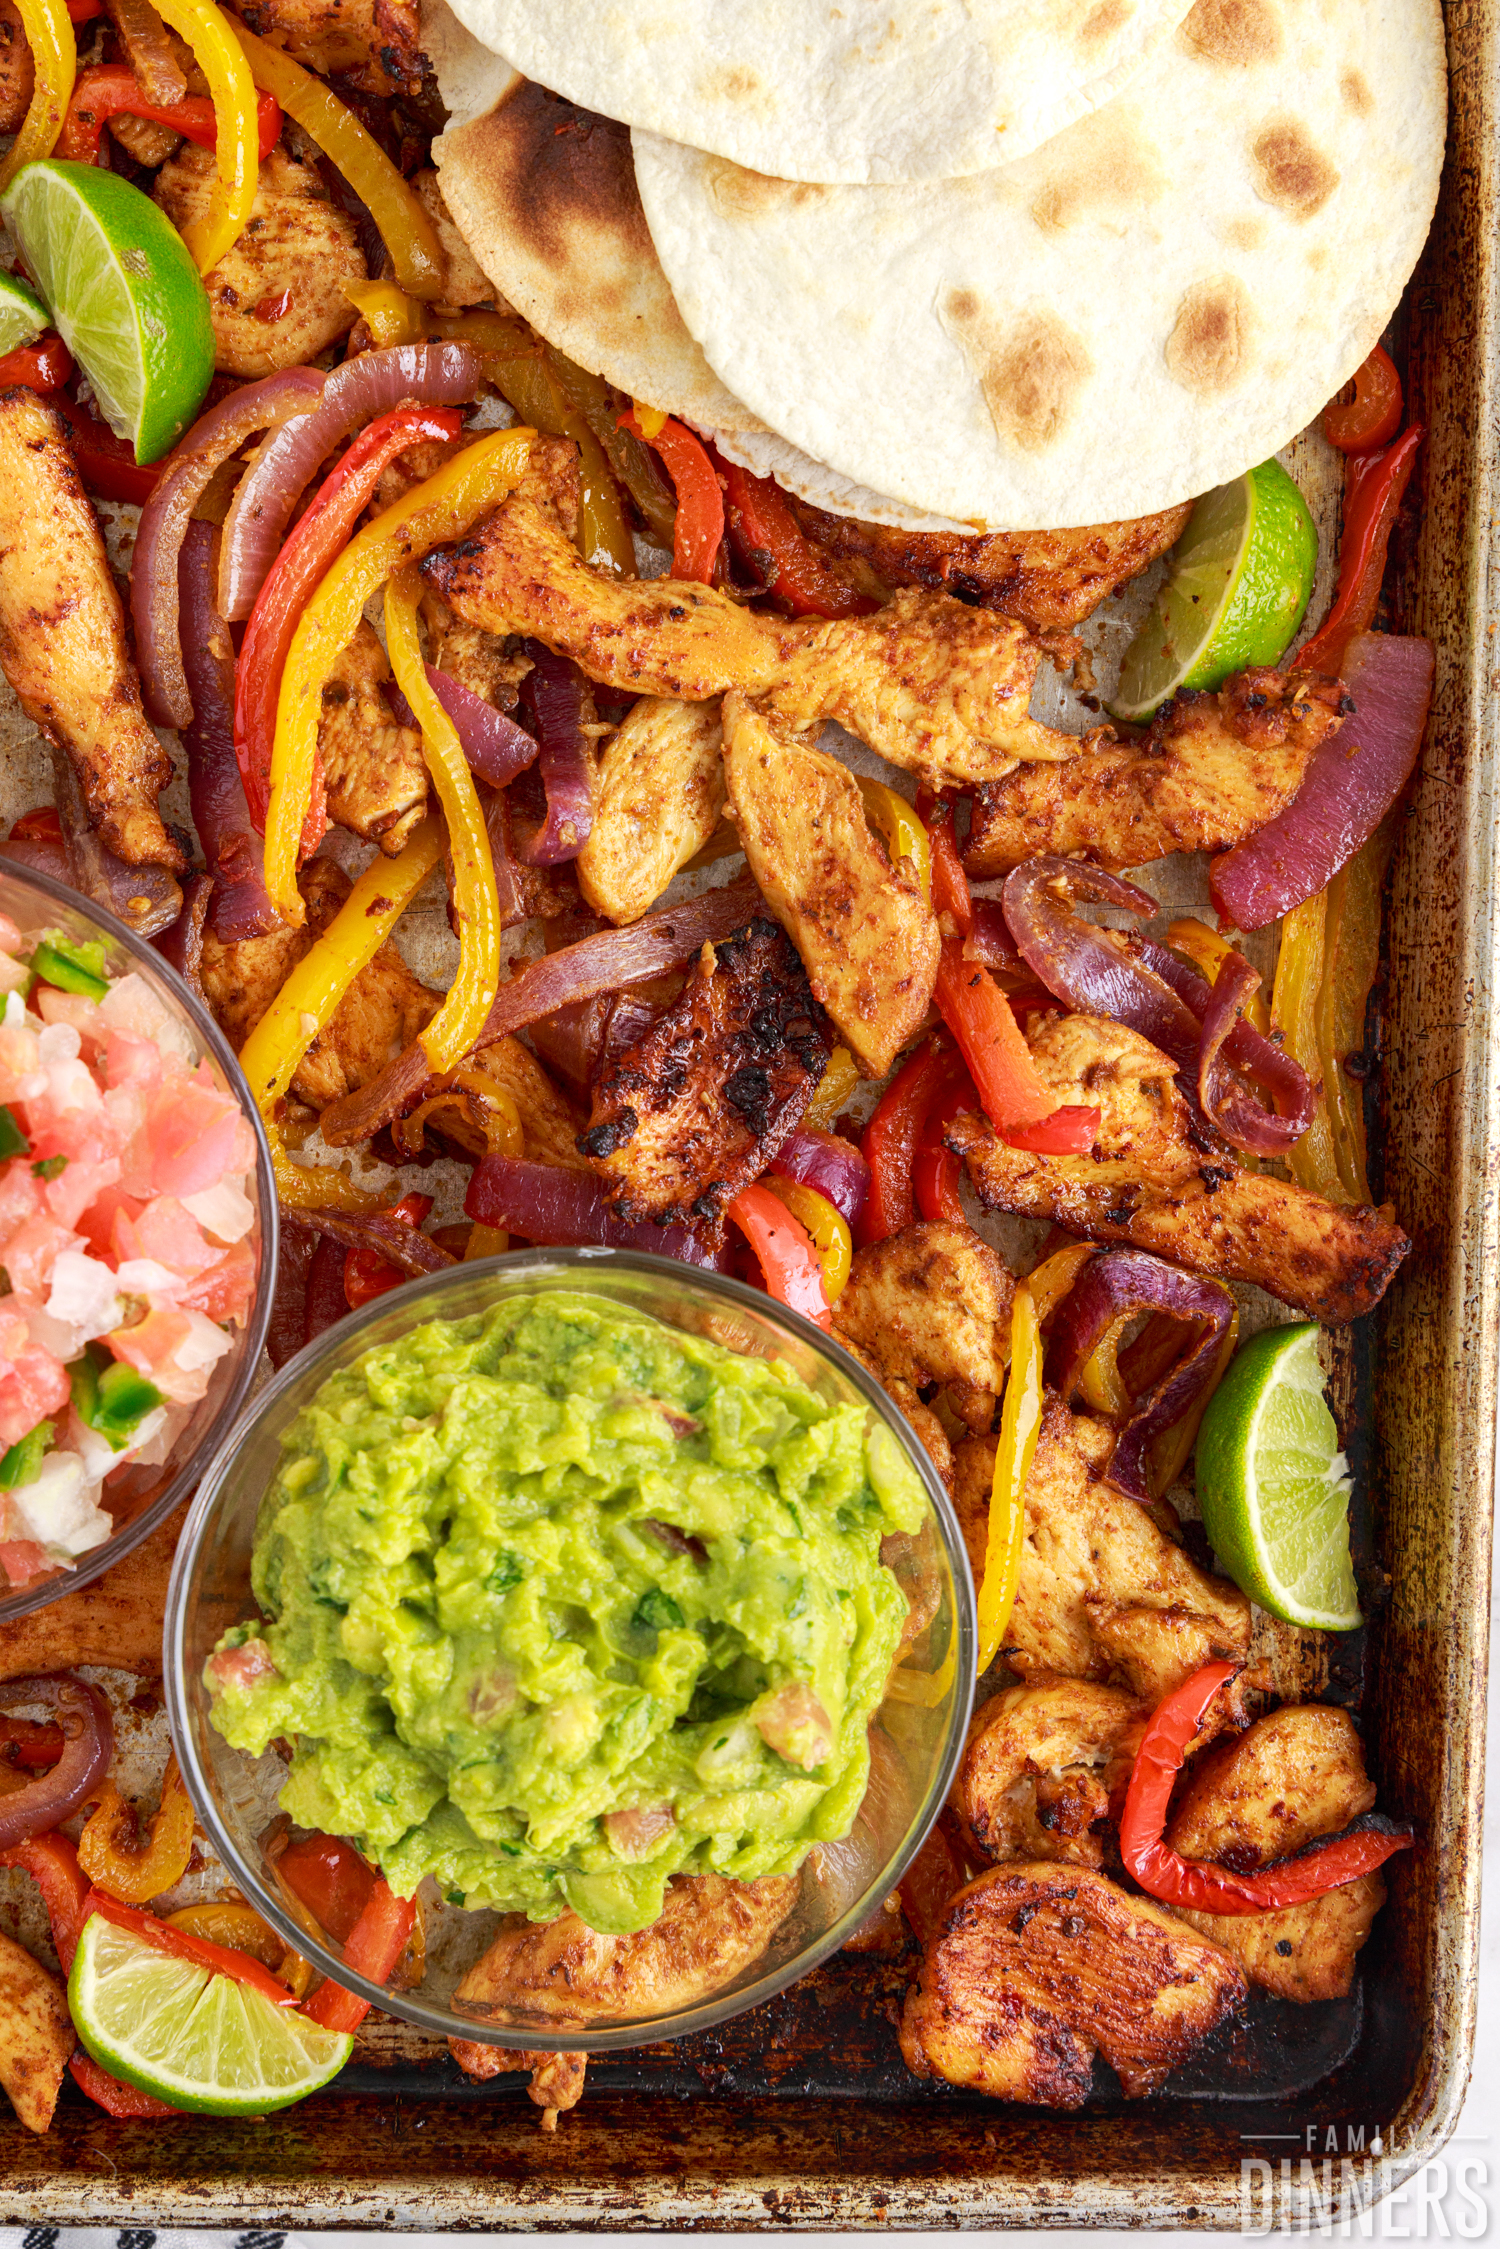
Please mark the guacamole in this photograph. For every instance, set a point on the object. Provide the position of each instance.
(561, 1602)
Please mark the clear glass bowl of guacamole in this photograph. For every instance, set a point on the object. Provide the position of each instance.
(556, 1583)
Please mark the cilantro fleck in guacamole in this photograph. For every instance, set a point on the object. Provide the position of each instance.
(562, 1602)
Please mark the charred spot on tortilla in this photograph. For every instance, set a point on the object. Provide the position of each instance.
(1102, 23)
(1234, 32)
(1106, 165)
(1355, 88)
(1291, 171)
(554, 167)
(746, 197)
(1031, 375)
(1210, 341)
(1246, 234)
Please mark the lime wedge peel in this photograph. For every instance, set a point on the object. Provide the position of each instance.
(124, 294)
(23, 316)
(1273, 1485)
(1238, 584)
(196, 2039)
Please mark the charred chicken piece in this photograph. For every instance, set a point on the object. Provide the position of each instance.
(1212, 770)
(62, 635)
(695, 1111)
(372, 765)
(276, 297)
(1050, 580)
(1295, 1775)
(1102, 1594)
(867, 936)
(382, 1011)
(1037, 1968)
(556, 2079)
(16, 74)
(1043, 1767)
(926, 1306)
(658, 797)
(375, 44)
(1146, 1182)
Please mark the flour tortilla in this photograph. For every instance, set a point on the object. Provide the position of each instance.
(1145, 308)
(852, 90)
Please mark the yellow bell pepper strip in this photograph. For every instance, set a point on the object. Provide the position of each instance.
(1020, 1425)
(826, 1229)
(310, 996)
(404, 226)
(634, 464)
(229, 1921)
(833, 1091)
(1294, 1013)
(391, 316)
(1351, 963)
(1101, 1382)
(924, 1690)
(443, 507)
(131, 1871)
(237, 143)
(1204, 949)
(902, 832)
(54, 58)
(1053, 1278)
(458, 1022)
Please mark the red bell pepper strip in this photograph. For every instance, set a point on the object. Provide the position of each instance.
(792, 1267)
(112, 89)
(950, 885)
(768, 537)
(219, 1959)
(295, 575)
(375, 1944)
(978, 1014)
(115, 2098)
(52, 1862)
(1372, 416)
(331, 1878)
(1374, 486)
(44, 365)
(366, 1273)
(890, 1140)
(935, 1174)
(22, 1740)
(1200, 1887)
(106, 463)
(84, 11)
(1069, 1131)
(39, 826)
(698, 532)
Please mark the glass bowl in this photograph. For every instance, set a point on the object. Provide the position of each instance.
(916, 1739)
(136, 1496)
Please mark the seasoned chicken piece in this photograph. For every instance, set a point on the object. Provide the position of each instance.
(1035, 1968)
(276, 297)
(1102, 1593)
(868, 938)
(37, 2038)
(1212, 770)
(375, 44)
(1145, 1182)
(686, 1118)
(926, 1427)
(143, 141)
(489, 664)
(932, 685)
(382, 1011)
(1050, 580)
(1295, 1775)
(372, 765)
(62, 635)
(927, 1305)
(556, 2079)
(464, 280)
(16, 74)
(658, 797)
(550, 1123)
(563, 1975)
(1043, 1765)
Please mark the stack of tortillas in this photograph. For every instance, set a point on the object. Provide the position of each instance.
(955, 264)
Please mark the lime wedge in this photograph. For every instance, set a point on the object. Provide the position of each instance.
(195, 2039)
(123, 292)
(1273, 1485)
(1238, 581)
(23, 316)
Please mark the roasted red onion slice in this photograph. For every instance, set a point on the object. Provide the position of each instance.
(1352, 780)
(558, 701)
(241, 906)
(554, 1208)
(146, 899)
(164, 521)
(496, 748)
(405, 1246)
(1109, 1289)
(38, 852)
(1246, 1049)
(88, 1745)
(327, 1298)
(989, 941)
(831, 1165)
(433, 374)
(287, 1332)
(181, 945)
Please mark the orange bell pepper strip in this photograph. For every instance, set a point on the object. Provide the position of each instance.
(374, 1946)
(232, 1923)
(978, 1014)
(792, 1268)
(52, 1862)
(698, 532)
(1372, 416)
(112, 1859)
(111, 90)
(1374, 487)
(950, 885)
(1020, 1426)
(772, 543)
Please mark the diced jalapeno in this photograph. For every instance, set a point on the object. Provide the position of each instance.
(71, 967)
(13, 1141)
(111, 1399)
(22, 1464)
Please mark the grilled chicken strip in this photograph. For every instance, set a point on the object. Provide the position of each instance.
(16, 74)
(62, 635)
(1037, 1968)
(1050, 580)
(276, 297)
(927, 1305)
(375, 44)
(1295, 1775)
(372, 764)
(935, 687)
(1103, 1594)
(1145, 1182)
(382, 1011)
(868, 938)
(684, 1120)
(1043, 1765)
(556, 2079)
(1212, 770)
(658, 797)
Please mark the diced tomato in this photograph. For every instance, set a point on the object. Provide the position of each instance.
(197, 1137)
(223, 1290)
